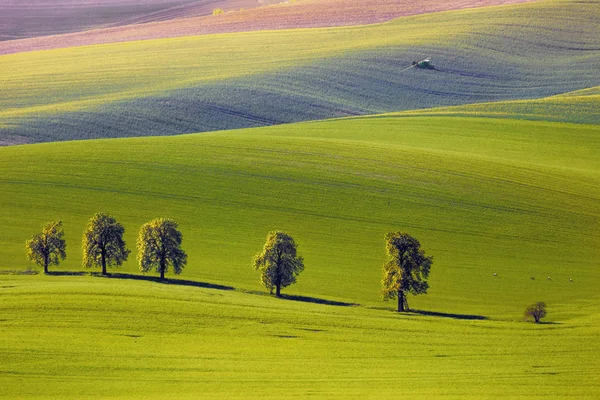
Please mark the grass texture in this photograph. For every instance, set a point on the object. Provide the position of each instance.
(581, 106)
(228, 81)
(90, 337)
(484, 196)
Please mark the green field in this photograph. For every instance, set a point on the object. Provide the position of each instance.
(581, 106)
(82, 337)
(484, 196)
(230, 81)
(517, 198)
(505, 195)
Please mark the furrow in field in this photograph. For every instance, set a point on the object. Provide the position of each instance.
(301, 14)
(209, 83)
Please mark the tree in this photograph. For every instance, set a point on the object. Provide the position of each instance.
(536, 311)
(47, 247)
(103, 244)
(159, 246)
(278, 262)
(407, 269)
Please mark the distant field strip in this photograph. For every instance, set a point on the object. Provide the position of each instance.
(37, 18)
(581, 106)
(176, 21)
(205, 83)
(483, 195)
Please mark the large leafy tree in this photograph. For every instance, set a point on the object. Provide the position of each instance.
(47, 247)
(159, 246)
(103, 244)
(406, 270)
(278, 262)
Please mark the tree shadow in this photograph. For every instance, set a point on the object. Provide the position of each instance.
(167, 281)
(317, 300)
(449, 315)
(67, 273)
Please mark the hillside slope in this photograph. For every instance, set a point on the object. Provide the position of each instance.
(181, 20)
(581, 106)
(231, 81)
(484, 196)
(21, 19)
(85, 337)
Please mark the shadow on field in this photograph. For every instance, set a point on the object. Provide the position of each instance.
(67, 273)
(317, 300)
(168, 281)
(447, 315)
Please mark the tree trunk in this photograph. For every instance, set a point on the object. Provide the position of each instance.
(46, 264)
(103, 264)
(163, 266)
(402, 302)
(278, 290)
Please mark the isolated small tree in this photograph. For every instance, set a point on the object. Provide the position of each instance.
(159, 246)
(536, 311)
(278, 262)
(47, 247)
(103, 244)
(407, 269)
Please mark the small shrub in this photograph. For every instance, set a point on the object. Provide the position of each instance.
(218, 11)
(536, 311)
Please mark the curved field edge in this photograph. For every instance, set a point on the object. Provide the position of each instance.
(581, 106)
(289, 15)
(483, 196)
(30, 20)
(74, 337)
(201, 84)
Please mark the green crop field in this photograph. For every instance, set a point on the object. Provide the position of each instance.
(228, 81)
(83, 337)
(484, 196)
(491, 161)
(581, 106)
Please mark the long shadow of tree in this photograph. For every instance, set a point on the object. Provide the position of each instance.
(317, 300)
(167, 281)
(449, 315)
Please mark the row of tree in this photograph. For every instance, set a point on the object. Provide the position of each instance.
(159, 247)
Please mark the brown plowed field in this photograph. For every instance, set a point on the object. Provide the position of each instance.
(301, 14)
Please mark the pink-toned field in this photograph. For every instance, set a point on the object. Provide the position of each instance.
(300, 14)
(20, 19)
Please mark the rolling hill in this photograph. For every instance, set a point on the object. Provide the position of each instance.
(21, 19)
(180, 21)
(74, 337)
(519, 199)
(581, 106)
(484, 195)
(208, 83)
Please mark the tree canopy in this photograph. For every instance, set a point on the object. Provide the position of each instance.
(407, 269)
(159, 246)
(536, 311)
(47, 247)
(103, 244)
(278, 262)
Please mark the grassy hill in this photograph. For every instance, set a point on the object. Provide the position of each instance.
(76, 337)
(231, 81)
(581, 106)
(484, 196)
(243, 16)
